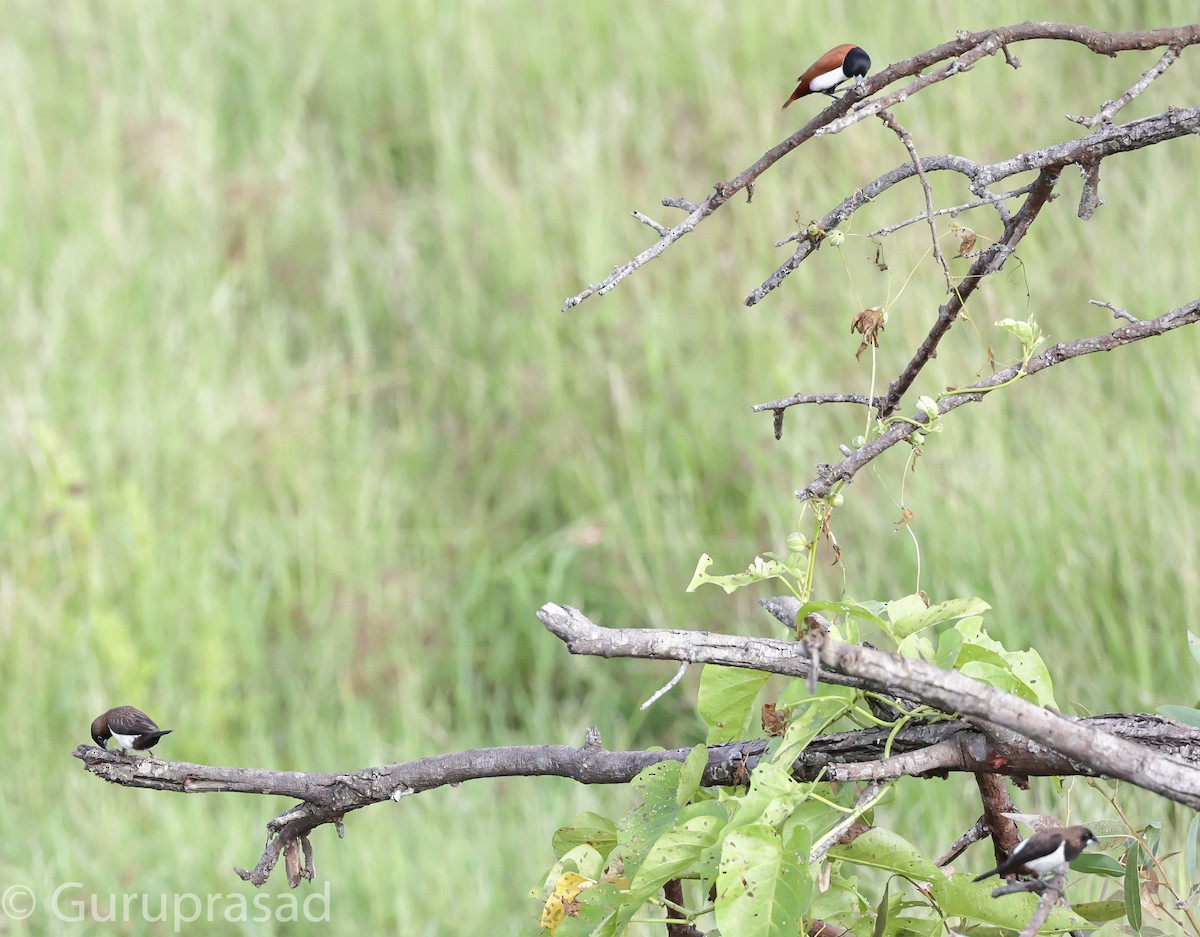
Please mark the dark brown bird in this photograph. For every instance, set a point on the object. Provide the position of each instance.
(831, 69)
(131, 728)
(1045, 851)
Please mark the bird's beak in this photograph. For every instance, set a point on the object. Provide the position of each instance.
(1092, 841)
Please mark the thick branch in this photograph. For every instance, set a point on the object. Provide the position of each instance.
(327, 798)
(992, 711)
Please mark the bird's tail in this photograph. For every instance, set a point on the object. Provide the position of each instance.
(150, 738)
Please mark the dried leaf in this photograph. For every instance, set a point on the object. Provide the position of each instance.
(966, 241)
(773, 722)
(868, 323)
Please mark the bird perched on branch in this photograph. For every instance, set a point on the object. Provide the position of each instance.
(830, 70)
(131, 728)
(1045, 851)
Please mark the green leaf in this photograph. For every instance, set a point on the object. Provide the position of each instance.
(773, 796)
(758, 571)
(999, 677)
(1132, 893)
(805, 726)
(1095, 863)
(587, 828)
(949, 644)
(762, 890)
(1097, 912)
(882, 849)
(881, 911)
(726, 701)
(922, 618)
(675, 853)
(639, 829)
(692, 774)
(846, 607)
(958, 896)
(1026, 666)
(1185, 714)
(1152, 836)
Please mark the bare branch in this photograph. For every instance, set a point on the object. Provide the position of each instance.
(1120, 138)
(1117, 311)
(1110, 108)
(966, 49)
(650, 223)
(959, 846)
(953, 211)
(831, 475)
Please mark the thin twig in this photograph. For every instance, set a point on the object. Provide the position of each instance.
(906, 138)
(1110, 108)
(959, 846)
(952, 211)
(650, 223)
(665, 688)
(1117, 311)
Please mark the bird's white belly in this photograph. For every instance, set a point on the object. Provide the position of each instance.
(125, 741)
(828, 80)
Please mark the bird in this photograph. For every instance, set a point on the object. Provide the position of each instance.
(131, 728)
(1045, 851)
(839, 64)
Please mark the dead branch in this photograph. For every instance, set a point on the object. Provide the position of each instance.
(964, 51)
(828, 476)
(1048, 734)
(326, 798)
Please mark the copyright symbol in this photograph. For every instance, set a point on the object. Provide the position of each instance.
(17, 902)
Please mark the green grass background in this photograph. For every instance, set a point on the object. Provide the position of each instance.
(296, 439)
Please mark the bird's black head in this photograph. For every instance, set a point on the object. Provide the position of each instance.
(856, 64)
(1087, 837)
(100, 733)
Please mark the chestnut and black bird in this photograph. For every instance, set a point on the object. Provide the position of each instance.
(1045, 851)
(129, 727)
(830, 70)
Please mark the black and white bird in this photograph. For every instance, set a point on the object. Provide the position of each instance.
(130, 728)
(830, 70)
(1045, 851)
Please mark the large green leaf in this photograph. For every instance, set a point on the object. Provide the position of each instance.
(882, 849)
(726, 701)
(916, 619)
(691, 774)
(958, 896)
(587, 828)
(676, 852)
(763, 890)
(805, 725)
(1026, 666)
(639, 829)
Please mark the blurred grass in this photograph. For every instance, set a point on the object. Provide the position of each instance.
(297, 440)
